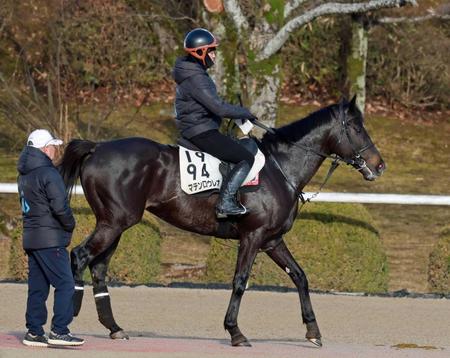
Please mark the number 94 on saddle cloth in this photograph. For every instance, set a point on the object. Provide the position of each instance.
(199, 171)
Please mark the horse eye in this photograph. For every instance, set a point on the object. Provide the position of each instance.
(357, 128)
(356, 125)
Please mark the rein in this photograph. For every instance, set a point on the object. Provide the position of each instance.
(300, 194)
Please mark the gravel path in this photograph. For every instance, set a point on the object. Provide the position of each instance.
(171, 322)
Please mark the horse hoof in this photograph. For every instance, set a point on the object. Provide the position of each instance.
(119, 335)
(316, 341)
(242, 342)
(237, 338)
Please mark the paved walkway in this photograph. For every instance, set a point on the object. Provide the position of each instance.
(170, 322)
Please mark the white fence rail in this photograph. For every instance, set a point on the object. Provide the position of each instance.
(381, 198)
(329, 197)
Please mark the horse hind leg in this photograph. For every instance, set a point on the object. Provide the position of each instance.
(82, 255)
(78, 262)
(284, 259)
(99, 268)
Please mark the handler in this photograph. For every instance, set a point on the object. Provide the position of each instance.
(48, 223)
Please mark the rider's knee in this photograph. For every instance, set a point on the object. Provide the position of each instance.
(250, 159)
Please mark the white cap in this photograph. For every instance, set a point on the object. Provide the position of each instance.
(40, 138)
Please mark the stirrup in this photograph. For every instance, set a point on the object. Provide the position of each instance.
(222, 214)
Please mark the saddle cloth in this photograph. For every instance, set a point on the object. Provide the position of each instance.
(199, 171)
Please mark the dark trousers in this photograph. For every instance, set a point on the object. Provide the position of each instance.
(222, 147)
(49, 267)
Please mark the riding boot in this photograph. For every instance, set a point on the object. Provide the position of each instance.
(228, 204)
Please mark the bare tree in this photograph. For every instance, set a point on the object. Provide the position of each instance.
(90, 57)
(263, 28)
(441, 13)
(357, 57)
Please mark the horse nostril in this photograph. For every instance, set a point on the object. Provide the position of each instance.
(381, 167)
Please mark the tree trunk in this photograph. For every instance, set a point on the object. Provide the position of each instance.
(263, 84)
(225, 72)
(237, 71)
(357, 59)
(262, 78)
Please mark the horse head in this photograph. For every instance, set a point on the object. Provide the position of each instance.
(351, 142)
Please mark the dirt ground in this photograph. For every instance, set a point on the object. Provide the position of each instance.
(171, 322)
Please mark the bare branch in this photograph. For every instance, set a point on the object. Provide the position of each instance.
(291, 6)
(325, 9)
(2, 23)
(396, 20)
(160, 16)
(5, 15)
(235, 12)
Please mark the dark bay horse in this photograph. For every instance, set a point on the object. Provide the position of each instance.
(122, 178)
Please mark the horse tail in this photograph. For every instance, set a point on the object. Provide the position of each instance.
(75, 153)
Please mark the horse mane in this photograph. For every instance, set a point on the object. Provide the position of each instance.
(296, 130)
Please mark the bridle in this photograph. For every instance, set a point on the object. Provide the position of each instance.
(357, 161)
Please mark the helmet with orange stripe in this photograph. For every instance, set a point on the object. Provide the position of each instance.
(199, 43)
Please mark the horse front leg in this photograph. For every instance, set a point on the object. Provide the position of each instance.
(246, 256)
(99, 269)
(283, 258)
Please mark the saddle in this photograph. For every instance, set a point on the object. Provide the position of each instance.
(202, 172)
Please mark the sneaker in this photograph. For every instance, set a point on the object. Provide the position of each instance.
(32, 340)
(64, 340)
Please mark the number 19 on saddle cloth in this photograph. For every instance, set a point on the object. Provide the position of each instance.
(199, 171)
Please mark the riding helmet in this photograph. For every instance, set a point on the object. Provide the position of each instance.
(198, 42)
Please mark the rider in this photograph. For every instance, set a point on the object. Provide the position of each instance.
(199, 113)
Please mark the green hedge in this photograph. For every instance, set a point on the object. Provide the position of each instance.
(136, 260)
(336, 245)
(439, 264)
(18, 268)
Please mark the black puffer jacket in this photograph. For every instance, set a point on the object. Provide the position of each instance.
(47, 218)
(197, 105)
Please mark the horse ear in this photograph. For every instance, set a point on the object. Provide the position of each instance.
(343, 102)
(352, 103)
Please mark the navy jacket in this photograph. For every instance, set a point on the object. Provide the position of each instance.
(47, 218)
(198, 107)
